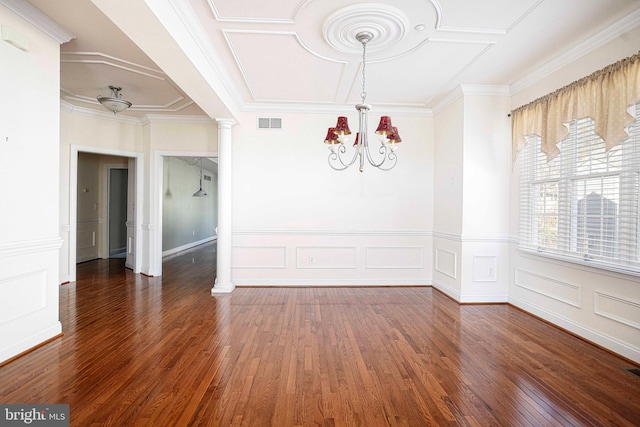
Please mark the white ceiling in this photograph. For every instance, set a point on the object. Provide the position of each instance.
(302, 54)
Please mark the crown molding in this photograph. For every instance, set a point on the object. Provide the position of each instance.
(295, 108)
(166, 118)
(485, 90)
(38, 19)
(471, 90)
(88, 112)
(610, 33)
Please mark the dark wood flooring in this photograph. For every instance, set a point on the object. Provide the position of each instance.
(163, 352)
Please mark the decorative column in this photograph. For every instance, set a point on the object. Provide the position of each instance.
(223, 282)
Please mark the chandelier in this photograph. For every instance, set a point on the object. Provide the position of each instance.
(337, 137)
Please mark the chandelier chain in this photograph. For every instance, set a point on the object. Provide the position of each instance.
(363, 95)
(337, 137)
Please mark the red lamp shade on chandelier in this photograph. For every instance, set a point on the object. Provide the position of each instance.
(385, 127)
(342, 127)
(332, 137)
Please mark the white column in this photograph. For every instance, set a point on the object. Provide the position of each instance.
(223, 282)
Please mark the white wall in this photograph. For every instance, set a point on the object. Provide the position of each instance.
(472, 193)
(601, 306)
(296, 221)
(29, 141)
(448, 185)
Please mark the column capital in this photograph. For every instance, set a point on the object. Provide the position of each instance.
(225, 123)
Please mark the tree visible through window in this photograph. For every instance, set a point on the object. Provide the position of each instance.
(584, 203)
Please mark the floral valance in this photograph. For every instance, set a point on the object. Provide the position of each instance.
(605, 96)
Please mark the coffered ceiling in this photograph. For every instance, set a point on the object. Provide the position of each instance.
(256, 55)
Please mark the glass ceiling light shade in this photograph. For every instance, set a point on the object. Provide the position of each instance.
(337, 136)
(114, 103)
(200, 192)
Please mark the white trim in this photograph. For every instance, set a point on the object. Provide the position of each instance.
(622, 348)
(390, 282)
(472, 238)
(30, 246)
(615, 30)
(332, 108)
(38, 19)
(73, 201)
(188, 246)
(318, 232)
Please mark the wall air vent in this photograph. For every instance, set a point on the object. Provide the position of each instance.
(206, 177)
(634, 371)
(269, 123)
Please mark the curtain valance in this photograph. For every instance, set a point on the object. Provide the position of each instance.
(604, 96)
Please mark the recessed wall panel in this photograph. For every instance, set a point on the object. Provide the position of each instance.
(616, 308)
(565, 292)
(446, 262)
(326, 257)
(22, 295)
(259, 257)
(394, 257)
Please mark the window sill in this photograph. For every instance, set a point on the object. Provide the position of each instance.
(592, 266)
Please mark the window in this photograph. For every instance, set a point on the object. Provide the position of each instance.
(583, 204)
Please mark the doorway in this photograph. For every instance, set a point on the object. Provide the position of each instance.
(117, 213)
(78, 236)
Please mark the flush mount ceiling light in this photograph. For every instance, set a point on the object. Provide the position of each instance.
(114, 103)
(200, 192)
(337, 136)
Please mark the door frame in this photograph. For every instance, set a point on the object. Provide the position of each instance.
(73, 201)
(156, 209)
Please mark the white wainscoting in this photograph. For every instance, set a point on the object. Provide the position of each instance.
(565, 292)
(447, 262)
(259, 257)
(331, 258)
(598, 305)
(29, 294)
(87, 240)
(386, 257)
(326, 257)
(622, 310)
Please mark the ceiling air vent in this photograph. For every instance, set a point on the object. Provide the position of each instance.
(269, 123)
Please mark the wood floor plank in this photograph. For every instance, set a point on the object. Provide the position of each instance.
(162, 351)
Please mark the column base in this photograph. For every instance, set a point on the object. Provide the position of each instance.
(222, 289)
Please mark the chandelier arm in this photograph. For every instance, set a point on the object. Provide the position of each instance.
(383, 150)
(336, 156)
(393, 159)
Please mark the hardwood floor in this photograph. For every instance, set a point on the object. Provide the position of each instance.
(164, 352)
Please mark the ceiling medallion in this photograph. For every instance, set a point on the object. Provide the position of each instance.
(386, 24)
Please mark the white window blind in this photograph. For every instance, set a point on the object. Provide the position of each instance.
(584, 203)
